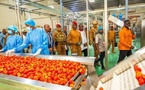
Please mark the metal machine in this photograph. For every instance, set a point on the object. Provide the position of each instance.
(121, 77)
(142, 36)
(8, 82)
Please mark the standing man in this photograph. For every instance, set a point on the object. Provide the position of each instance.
(74, 40)
(92, 33)
(50, 38)
(84, 40)
(2, 36)
(125, 41)
(111, 38)
(99, 42)
(59, 40)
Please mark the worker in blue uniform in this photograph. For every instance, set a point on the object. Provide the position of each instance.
(114, 14)
(36, 37)
(120, 16)
(13, 40)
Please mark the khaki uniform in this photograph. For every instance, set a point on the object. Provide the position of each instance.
(92, 35)
(60, 42)
(111, 39)
(74, 40)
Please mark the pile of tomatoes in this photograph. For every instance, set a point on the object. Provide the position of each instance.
(101, 88)
(139, 75)
(51, 71)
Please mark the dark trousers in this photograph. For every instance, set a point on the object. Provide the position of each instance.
(123, 54)
(66, 52)
(101, 59)
(85, 51)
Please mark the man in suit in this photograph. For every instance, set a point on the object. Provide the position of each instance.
(50, 38)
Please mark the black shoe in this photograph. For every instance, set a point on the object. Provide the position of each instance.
(113, 52)
(103, 68)
(97, 64)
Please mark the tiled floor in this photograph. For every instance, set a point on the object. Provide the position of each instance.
(112, 57)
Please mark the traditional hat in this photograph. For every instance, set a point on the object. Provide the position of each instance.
(75, 23)
(58, 25)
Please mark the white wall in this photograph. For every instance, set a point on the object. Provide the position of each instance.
(8, 17)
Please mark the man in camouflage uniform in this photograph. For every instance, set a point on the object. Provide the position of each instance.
(74, 39)
(92, 33)
(59, 40)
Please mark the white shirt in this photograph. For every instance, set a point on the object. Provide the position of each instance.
(24, 37)
(84, 39)
(99, 39)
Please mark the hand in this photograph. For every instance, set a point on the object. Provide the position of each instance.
(9, 52)
(79, 43)
(38, 52)
(50, 49)
(103, 43)
(99, 52)
(132, 32)
(132, 47)
(54, 49)
(85, 44)
(90, 43)
(0, 50)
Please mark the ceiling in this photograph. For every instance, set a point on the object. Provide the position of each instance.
(80, 5)
(41, 7)
(69, 6)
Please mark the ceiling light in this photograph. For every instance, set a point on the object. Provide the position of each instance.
(119, 5)
(51, 6)
(91, 0)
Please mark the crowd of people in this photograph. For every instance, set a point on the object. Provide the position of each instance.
(41, 40)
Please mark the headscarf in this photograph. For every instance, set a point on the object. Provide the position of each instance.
(30, 22)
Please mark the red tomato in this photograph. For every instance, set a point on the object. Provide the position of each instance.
(52, 71)
(138, 75)
(101, 88)
(141, 81)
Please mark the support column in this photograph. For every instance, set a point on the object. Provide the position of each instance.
(17, 8)
(30, 13)
(126, 9)
(52, 27)
(106, 34)
(61, 9)
(87, 15)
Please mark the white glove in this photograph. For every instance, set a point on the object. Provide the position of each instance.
(9, 52)
(0, 50)
(108, 52)
(37, 53)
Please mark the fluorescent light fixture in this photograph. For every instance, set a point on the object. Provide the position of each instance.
(51, 6)
(91, 0)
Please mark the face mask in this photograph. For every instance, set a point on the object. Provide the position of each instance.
(9, 32)
(28, 28)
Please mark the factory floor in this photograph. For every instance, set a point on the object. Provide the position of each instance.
(112, 57)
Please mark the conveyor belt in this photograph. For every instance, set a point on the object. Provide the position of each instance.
(28, 84)
(123, 76)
